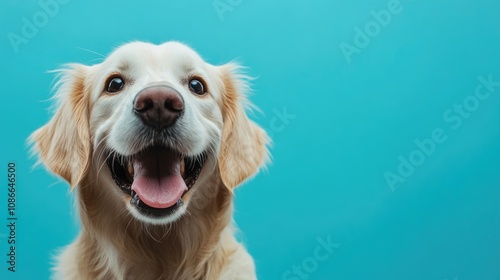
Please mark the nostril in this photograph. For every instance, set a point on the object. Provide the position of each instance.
(174, 104)
(144, 105)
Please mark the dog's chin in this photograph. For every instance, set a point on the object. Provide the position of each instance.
(157, 220)
(156, 182)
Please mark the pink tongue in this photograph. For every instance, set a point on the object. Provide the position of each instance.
(157, 178)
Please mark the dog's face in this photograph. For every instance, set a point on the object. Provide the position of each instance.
(161, 119)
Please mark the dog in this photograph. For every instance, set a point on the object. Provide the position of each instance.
(153, 140)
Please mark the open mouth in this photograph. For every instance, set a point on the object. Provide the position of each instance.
(156, 178)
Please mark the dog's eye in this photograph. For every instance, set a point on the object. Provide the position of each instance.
(196, 86)
(114, 84)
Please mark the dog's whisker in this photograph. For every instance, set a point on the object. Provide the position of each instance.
(212, 153)
(91, 51)
(101, 142)
(128, 224)
(99, 149)
(151, 235)
(103, 162)
(166, 232)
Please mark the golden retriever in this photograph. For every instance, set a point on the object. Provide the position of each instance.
(154, 140)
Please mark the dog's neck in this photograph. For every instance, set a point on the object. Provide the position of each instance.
(130, 249)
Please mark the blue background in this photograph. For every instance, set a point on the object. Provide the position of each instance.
(350, 118)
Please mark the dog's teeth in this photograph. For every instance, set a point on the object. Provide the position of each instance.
(183, 167)
(135, 200)
(130, 169)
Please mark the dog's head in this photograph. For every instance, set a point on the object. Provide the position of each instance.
(155, 123)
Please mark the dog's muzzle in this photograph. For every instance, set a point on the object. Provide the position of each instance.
(158, 176)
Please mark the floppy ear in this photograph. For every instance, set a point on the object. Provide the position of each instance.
(63, 144)
(243, 149)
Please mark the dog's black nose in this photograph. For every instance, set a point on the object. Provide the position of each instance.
(158, 106)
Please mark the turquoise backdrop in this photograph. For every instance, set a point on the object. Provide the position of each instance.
(385, 117)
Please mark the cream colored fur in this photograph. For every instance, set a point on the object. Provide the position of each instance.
(115, 242)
